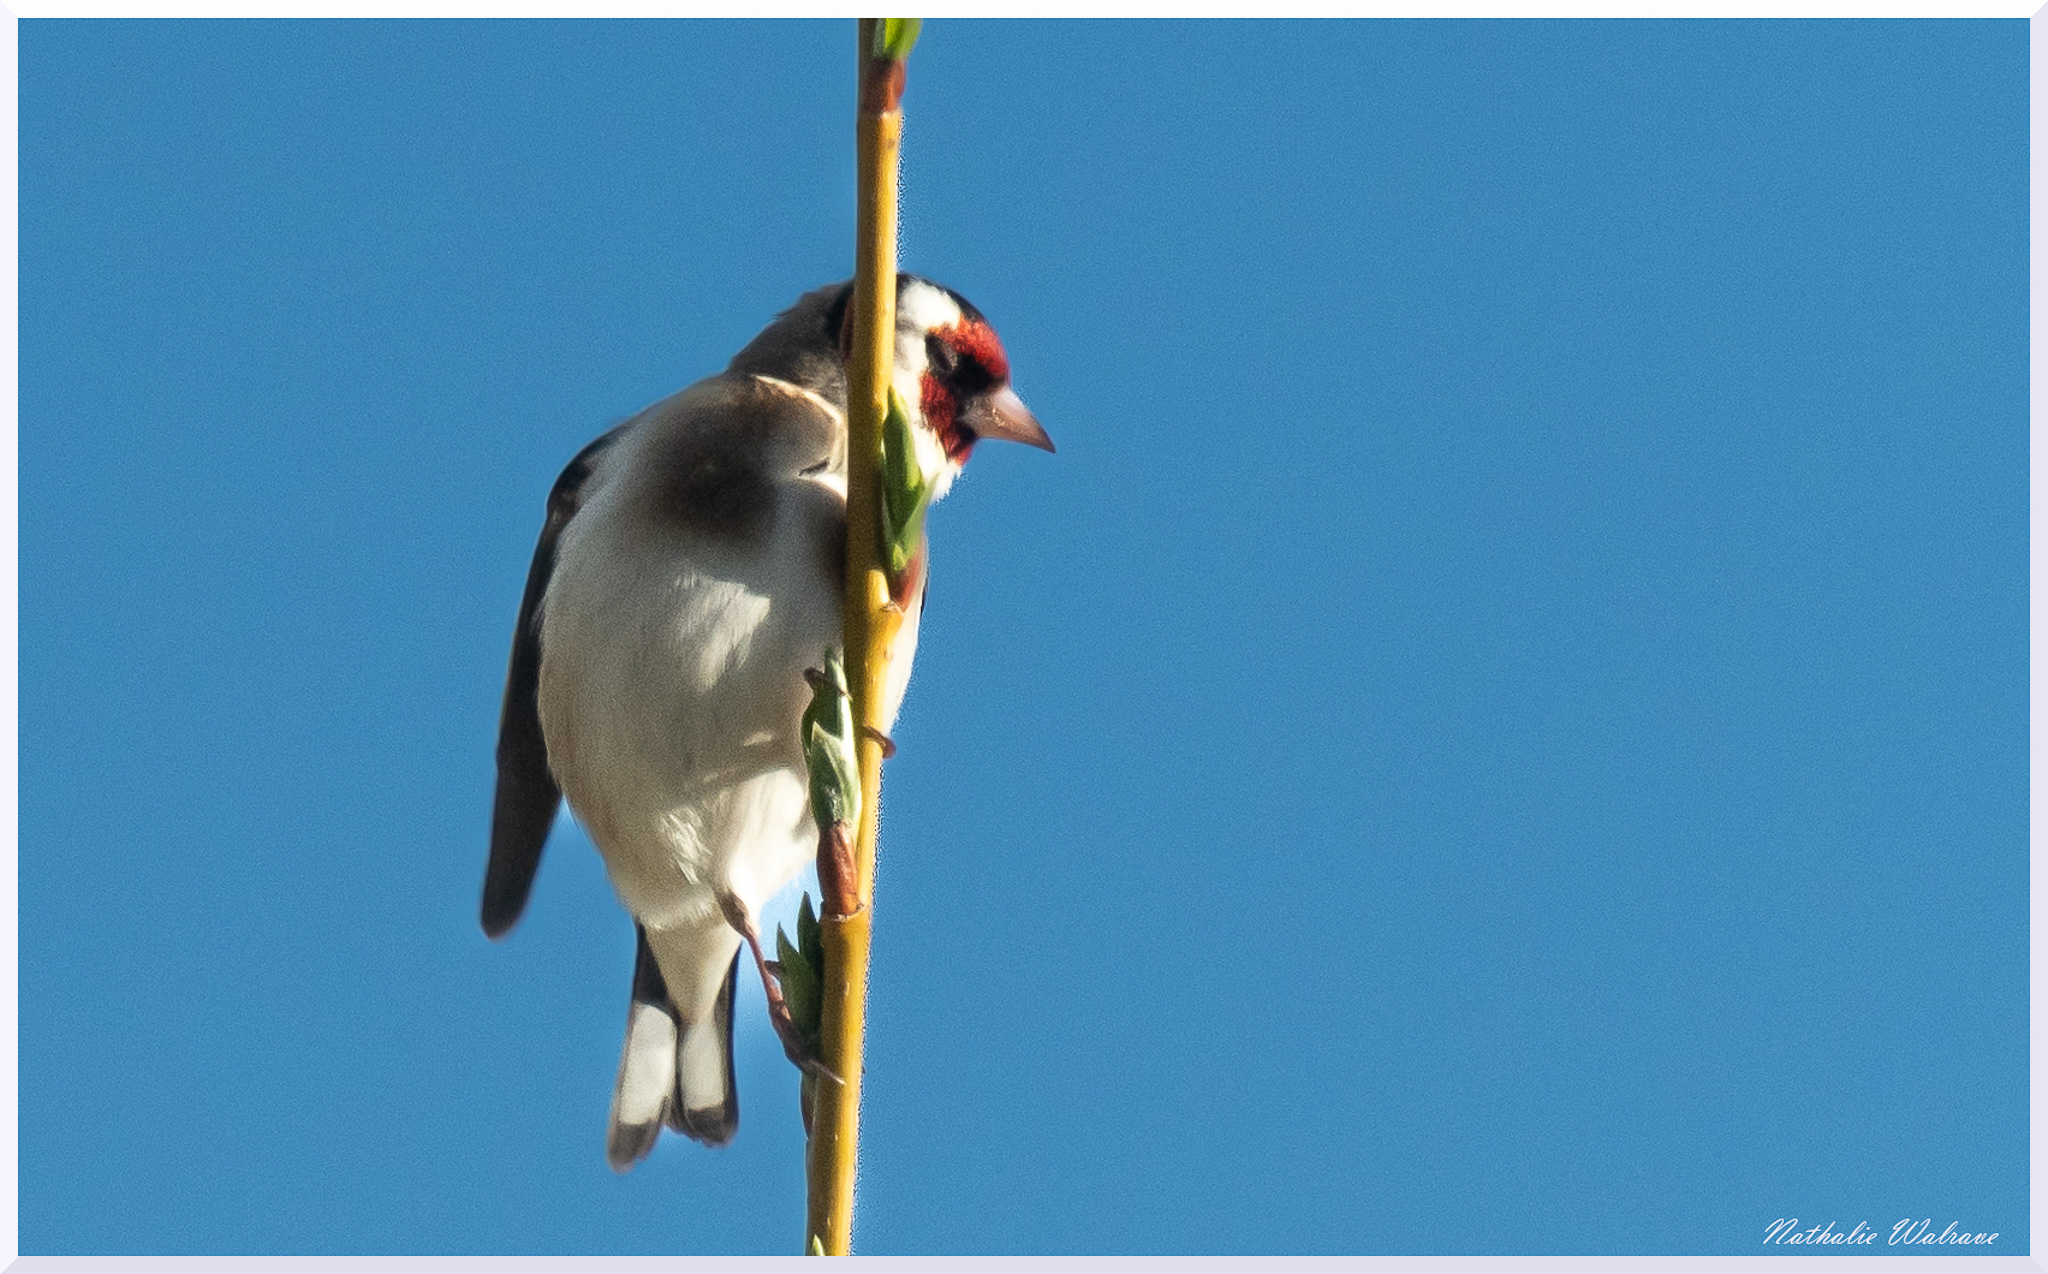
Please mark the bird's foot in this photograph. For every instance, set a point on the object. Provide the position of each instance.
(888, 744)
(794, 1046)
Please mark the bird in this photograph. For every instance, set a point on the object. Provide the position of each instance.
(689, 573)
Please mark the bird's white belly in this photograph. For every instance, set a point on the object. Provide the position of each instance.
(670, 692)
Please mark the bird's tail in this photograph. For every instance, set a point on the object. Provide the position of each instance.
(672, 1072)
(706, 1104)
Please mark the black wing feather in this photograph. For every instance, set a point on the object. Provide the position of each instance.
(527, 798)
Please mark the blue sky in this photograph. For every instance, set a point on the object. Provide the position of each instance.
(1501, 730)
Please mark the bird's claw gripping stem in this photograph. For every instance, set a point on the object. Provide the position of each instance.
(793, 1046)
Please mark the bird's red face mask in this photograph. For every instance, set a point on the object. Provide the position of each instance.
(965, 392)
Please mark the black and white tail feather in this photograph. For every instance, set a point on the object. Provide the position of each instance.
(655, 1088)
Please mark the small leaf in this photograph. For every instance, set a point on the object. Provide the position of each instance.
(817, 1248)
(809, 940)
(894, 37)
(905, 494)
(902, 479)
(827, 732)
(800, 989)
(905, 548)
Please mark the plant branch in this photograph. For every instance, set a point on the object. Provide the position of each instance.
(847, 879)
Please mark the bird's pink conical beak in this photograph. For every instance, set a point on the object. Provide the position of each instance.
(1005, 416)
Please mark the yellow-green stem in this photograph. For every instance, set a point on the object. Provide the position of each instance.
(870, 626)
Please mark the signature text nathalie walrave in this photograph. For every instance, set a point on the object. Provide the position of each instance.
(1907, 1233)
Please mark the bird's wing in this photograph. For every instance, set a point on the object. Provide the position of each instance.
(527, 794)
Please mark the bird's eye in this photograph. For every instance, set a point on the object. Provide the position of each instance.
(944, 361)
